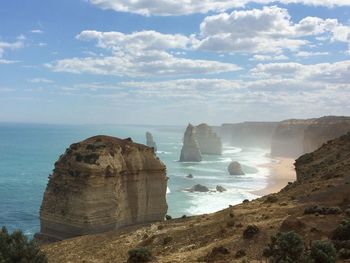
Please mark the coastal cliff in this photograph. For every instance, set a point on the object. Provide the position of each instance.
(102, 184)
(190, 151)
(312, 207)
(287, 140)
(248, 134)
(323, 130)
(209, 142)
(292, 138)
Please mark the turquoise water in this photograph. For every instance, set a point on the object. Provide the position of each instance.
(28, 153)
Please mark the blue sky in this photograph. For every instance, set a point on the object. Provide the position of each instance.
(173, 62)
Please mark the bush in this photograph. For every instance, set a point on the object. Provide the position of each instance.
(168, 217)
(16, 247)
(250, 231)
(167, 240)
(230, 223)
(342, 232)
(344, 253)
(285, 247)
(323, 252)
(141, 254)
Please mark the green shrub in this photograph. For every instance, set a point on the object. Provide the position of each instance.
(168, 217)
(323, 252)
(285, 247)
(250, 231)
(167, 240)
(141, 254)
(342, 232)
(16, 247)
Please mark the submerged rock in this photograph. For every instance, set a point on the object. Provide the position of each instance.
(150, 142)
(209, 142)
(190, 151)
(102, 184)
(235, 169)
(190, 176)
(220, 188)
(200, 188)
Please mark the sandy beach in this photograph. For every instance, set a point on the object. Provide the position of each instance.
(282, 172)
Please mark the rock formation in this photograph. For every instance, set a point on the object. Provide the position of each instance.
(102, 184)
(287, 140)
(190, 176)
(199, 188)
(190, 151)
(323, 130)
(209, 142)
(150, 142)
(235, 169)
(293, 138)
(220, 189)
(248, 134)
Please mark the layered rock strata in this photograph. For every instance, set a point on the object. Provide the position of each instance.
(102, 184)
(209, 142)
(190, 151)
(150, 142)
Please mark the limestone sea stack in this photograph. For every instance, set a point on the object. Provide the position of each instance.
(150, 142)
(102, 184)
(209, 142)
(190, 151)
(235, 169)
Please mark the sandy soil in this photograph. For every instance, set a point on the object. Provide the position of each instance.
(282, 172)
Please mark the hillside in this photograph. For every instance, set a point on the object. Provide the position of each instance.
(323, 180)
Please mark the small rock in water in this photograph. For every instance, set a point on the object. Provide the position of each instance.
(235, 169)
(189, 176)
(220, 189)
(200, 188)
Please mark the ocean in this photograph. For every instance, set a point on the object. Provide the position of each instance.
(28, 153)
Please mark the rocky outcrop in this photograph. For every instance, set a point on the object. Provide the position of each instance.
(190, 151)
(199, 188)
(323, 130)
(332, 160)
(235, 169)
(248, 134)
(220, 189)
(209, 142)
(102, 184)
(150, 142)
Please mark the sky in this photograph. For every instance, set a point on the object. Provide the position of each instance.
(173, 62)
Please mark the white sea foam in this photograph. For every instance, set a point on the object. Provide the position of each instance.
(202, 203)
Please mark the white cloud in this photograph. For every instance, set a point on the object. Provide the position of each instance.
(327, 73)
(37, 31)
(268, 58)
(266, 30)
(186, 7)
(6, 61)
(306, 54)
(137, 54)
(40, 80)
(9, 46)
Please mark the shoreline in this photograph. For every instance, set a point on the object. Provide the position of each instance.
(281, 172)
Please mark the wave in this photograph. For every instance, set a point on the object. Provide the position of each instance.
(163, 152)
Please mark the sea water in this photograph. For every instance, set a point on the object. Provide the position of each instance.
(28, 153)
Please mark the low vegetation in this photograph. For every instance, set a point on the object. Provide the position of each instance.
(138, 255)
(16, 247)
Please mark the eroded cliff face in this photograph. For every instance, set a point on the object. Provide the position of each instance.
(293, 138)
(287, 140)
(209, 142)
(323, 130)
(150, 142)
(248, 134)
(102, 184)
(190, 151)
